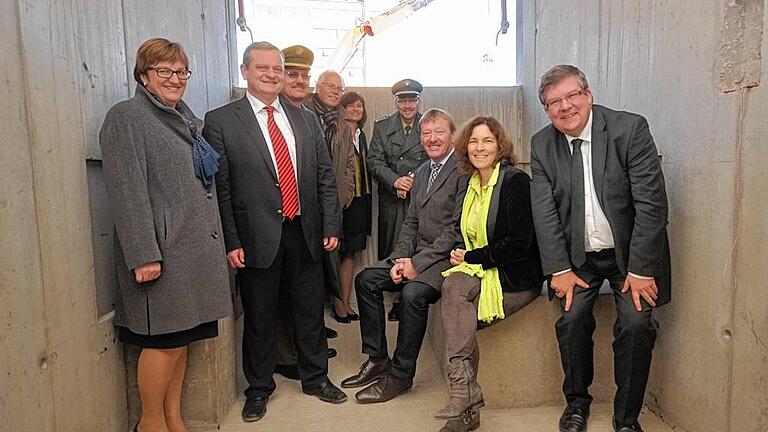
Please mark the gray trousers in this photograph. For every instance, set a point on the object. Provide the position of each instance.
(461, 295)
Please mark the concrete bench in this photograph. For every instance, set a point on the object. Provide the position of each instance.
(520, 360)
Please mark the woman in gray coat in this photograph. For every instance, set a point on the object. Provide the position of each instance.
(172, 274)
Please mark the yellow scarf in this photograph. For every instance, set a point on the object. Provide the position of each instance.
(474, 217)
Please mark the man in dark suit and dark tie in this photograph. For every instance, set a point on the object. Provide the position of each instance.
(279, 210)
(600, 212)
(414, 267)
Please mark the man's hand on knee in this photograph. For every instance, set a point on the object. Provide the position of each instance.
(563, 285)
(641, 287)
(408, 272)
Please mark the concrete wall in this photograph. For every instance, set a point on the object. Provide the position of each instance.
(671, 61)
(63, 64)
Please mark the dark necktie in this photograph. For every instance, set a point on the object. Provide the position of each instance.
(285, 174)
(435, 167)
(407, 130)
(578, 256)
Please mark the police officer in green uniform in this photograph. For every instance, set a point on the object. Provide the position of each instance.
(394, 154)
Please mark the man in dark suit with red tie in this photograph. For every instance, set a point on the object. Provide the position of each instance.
(279, 210)
(600, 212)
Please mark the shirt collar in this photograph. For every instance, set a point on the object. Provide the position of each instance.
(442, 162)
(259, 105)
(586, 134)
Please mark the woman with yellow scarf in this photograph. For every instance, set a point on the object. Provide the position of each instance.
(497, 270)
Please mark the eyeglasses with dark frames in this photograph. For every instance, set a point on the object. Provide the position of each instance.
(572, 98)
(182, 74)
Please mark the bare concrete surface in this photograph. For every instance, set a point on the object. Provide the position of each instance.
(291, 410)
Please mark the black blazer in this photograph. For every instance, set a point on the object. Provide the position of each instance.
(512, 245)
(249, 195)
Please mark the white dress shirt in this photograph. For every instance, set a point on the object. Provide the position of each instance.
(597, 230)
(282, 124)
(285, 128)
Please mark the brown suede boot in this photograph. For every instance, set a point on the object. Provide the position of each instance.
(468, 421)
(463, 390)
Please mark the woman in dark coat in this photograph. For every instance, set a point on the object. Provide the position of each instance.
(497, 270)
(171, 266)
(357, 216)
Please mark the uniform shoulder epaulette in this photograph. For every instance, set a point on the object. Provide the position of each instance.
(383, 117)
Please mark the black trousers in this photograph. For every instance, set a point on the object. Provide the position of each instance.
(416, 298)
(634, 335)
(295, 275)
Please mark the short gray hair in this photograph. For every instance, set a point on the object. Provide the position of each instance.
(321, 79)
(558, 73)
(261, 45)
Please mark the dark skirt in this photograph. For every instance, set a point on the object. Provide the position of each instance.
(356, 225)
(177, 339)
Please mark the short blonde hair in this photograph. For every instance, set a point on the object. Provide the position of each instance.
(154, 51)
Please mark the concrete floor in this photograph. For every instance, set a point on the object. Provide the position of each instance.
(291, 410)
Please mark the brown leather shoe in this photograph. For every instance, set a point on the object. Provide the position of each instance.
(370, 371)
(386, 388)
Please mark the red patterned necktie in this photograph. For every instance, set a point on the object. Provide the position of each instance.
(285, 174)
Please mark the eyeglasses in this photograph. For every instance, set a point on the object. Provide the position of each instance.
(439, 133)
(295, 74)
(332, 87)
(571, 98)
(182, 74)
(407, 101)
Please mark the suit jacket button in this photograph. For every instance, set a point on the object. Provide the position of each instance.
(208, 195)
(401, 158)
(279, 212)
(215, 235)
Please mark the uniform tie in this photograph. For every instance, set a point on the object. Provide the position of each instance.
(578, 256)
(435, 167)
(407, 130)
(285, 175)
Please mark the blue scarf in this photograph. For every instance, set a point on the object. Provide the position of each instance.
(204, 157)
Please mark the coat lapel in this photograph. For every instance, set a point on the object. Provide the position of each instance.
(493, 210)
(599, 151)
(295, 120)
(245, 113)
(563, 157)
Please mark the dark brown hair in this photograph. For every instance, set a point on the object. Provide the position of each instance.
(558, 73)
(154, 51)
(351, 97)
(506, 149)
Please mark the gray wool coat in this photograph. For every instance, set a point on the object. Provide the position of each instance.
(162, 212)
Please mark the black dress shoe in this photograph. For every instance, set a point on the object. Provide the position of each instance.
(370, 371)
(289, 371)
(634, 428)
(330, 333)
(394, 313)
(332, 352)
(388, 387)
(340, 319)
(326, 392)
(574, 420)
(354, 317)
(255, 408)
